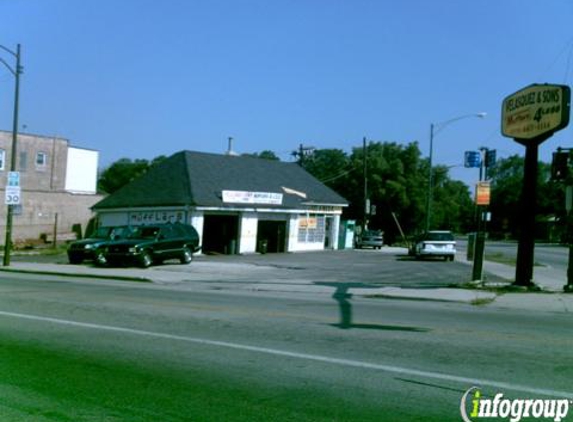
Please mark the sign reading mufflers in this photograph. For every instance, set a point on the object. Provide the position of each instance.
(534, 111)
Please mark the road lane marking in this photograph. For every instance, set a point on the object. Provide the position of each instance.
(296, 355)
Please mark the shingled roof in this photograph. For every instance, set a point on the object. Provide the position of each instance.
(198, 179)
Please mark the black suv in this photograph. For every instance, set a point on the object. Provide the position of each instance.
(90, 247)
(153, 244)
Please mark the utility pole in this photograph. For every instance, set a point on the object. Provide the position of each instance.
(486, 161)
(16, 72)
(365, 174)
(302, 153)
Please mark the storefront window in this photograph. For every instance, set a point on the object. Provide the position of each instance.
(311, 229)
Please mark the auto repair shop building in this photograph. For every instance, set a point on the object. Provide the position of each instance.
(236, 203)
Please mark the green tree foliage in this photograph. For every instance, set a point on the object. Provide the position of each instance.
(330, 166)
(397, 180)
(507, 183)
(122, 172)
(266, 154)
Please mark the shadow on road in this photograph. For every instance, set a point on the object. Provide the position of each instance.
(342, 297)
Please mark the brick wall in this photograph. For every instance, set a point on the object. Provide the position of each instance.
(49, 176)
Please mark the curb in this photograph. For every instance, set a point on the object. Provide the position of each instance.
(83, 275)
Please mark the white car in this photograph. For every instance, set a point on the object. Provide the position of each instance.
(436, 243)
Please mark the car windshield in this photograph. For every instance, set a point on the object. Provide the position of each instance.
(372, 233)
(102, 232)
(144, 233)
(439, 236)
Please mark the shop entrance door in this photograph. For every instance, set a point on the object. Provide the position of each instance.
(220, 234)
(273, 235)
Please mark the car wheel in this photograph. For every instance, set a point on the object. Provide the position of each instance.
(186, 256)
(146, 260)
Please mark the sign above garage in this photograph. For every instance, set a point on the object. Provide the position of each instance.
(245, 197)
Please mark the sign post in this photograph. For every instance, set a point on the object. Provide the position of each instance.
(531, 116)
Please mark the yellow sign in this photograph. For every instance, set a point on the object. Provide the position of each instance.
(307, 223)
(483, 193)
(535, 111)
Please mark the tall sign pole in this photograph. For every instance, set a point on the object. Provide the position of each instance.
(16, 72)
(531, 116)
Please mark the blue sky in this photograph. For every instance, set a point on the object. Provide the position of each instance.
(141, 78)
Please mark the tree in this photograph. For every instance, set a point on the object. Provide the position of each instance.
(266, 154)
(330, 166)
(123, 171)
(397, 179)
(507, 185)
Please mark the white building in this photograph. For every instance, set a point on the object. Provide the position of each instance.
(236, 203)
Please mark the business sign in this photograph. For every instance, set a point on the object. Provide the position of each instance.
(156, 217)
(483, 193)
(244, 197)
(13, 195)
(535, 111)
(307, 223)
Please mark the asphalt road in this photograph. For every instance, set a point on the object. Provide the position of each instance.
(86, 350)
(547, 255)
(554, 256)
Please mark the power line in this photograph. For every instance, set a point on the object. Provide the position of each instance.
(338, 176)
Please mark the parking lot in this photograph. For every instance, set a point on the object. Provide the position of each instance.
(375, 268)
(386, 267)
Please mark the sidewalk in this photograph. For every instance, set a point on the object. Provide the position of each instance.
(205, 275)
(546, 278)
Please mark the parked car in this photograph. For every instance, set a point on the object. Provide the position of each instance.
(153, 244)
(435, 243)
(87, 249)
(370, 239)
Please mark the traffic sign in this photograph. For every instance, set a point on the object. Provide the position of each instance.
(13, 178)
(534, 111)
(490, 157)
(13, 195)
(472, 159)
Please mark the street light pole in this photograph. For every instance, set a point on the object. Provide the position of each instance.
(434, 130)
(16, 72)
(430, 182)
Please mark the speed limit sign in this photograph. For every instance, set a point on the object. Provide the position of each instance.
(13, 195)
